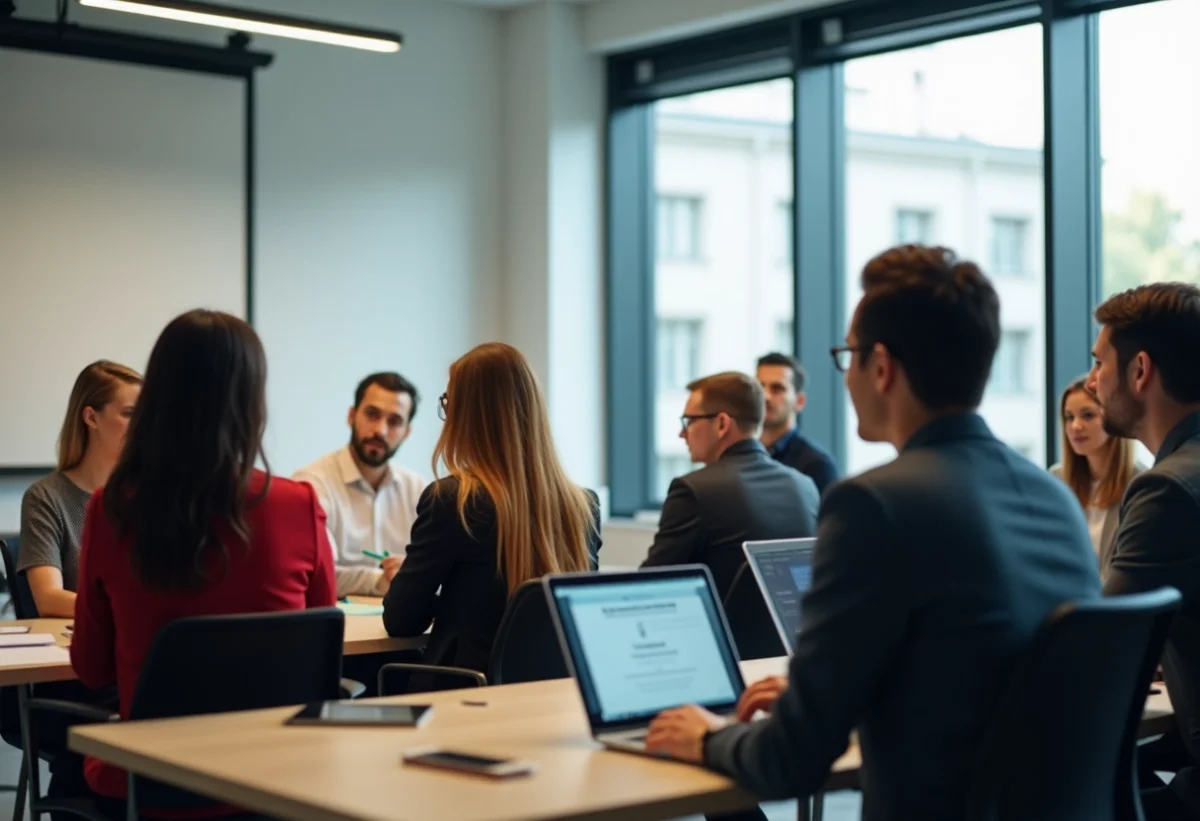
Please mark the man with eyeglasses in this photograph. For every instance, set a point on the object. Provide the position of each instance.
(741, 494)
(930, 574)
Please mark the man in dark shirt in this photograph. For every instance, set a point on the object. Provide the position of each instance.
(930, 575)
(740, 495)
(782, 378)
(1147, 382)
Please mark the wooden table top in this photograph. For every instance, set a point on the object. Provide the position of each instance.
(364, 634)
(355, 774)
(310, 773)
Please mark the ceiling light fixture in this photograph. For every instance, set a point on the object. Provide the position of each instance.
(255, 22)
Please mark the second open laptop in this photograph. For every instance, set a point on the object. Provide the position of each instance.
(639, 643)
(783, 570)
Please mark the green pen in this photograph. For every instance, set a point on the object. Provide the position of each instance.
(376, 556)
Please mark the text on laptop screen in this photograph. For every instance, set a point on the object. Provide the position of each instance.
(786, 574)
(647, 645)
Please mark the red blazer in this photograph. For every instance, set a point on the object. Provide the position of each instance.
(288, 566)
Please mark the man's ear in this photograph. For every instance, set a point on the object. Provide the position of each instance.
(801, 401)
(884, 368)
(350, 418)
(1139, 373)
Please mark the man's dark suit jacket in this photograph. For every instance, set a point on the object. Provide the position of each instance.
(442, 554)
(744, 496)
(930, 576)
(1158, 545)
(798, 451)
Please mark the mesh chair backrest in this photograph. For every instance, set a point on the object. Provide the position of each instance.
(1061, 744)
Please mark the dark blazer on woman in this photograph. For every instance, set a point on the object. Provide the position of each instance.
(473, 595)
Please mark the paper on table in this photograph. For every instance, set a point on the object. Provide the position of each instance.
(27, 656)
(351, 608)
(14, 629)
(25, 640)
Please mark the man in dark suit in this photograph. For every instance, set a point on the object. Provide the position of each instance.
(930, 575)
(782, 378)
(1146, 380)
(740, 495)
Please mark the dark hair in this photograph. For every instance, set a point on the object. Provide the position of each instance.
(389, 381)
(733, 393)
(799, 375)
(1163, 320)
(938, 316)
(181, 484)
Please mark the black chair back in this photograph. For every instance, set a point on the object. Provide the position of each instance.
(399, 679)
(750, 621)
(1062, 740)
(526, 646)
(24, 606)
(216, 664)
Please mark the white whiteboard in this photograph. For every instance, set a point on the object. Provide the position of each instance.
(122, 204)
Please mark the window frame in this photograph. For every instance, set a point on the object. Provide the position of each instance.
(811, 48)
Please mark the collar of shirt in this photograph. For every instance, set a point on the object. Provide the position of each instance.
(1188, 428)
(351, 475)
(783, 443)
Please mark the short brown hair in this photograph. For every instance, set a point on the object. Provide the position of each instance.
(94, 388)
(939, 316)
(1162, 319)
(733, 393)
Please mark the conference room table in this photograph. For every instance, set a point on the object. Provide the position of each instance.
(364, 635)
(253, 760)
(24, 667)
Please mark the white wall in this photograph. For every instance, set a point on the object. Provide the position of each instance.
(378, 208)
(553, 195)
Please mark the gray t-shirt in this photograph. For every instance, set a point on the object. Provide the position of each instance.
(52, 513)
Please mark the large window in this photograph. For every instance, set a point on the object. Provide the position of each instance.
(731, 151)
(678, 228)
(1149, 134)
(957, 127)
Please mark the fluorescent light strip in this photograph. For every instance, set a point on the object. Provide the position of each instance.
(247, 25)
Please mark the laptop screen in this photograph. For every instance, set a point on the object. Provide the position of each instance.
(784, 573)
(643, 642)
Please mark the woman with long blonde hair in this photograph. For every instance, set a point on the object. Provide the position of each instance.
(53, 508)
(505, 514)
(1096, 467)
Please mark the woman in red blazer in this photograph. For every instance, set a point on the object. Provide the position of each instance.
(186, 525)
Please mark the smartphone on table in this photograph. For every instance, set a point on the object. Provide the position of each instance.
(469, 763)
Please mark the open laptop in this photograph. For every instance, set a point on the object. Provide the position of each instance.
(783, 570)
(639, 643)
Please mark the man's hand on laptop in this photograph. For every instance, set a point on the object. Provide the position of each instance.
(761, 695)
(679, 733)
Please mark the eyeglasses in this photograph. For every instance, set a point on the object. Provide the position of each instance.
(843, 355)
(443, 401)
(686, 420)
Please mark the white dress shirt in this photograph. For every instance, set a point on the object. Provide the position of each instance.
(362, 518)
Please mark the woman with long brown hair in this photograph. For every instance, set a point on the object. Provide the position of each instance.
(505, 514)
(52, 509)
(1096, 467)
(187, 524)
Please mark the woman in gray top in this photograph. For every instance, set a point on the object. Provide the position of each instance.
(53, 508)
(1096, 466)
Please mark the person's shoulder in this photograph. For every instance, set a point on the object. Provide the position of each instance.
(1056, 470)
(279, 493)
(325, 467)
(51, 488)
(1180, 471)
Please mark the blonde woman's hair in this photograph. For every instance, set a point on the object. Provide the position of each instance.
(94, 388)
(1118, 456)
(496, 441)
